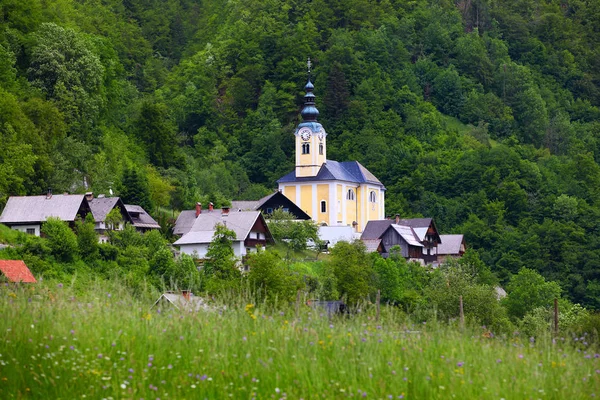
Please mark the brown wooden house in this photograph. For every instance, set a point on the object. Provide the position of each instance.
(418, 238)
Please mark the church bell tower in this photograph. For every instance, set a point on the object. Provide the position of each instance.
(311, 138)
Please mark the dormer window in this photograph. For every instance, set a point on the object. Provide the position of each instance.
(305, 148)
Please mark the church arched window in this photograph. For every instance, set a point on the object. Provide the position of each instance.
(323, 206)
(305, 148)
(350, 195)
(373, 197)
(321, 149)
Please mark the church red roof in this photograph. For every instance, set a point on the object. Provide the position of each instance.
(16, 271)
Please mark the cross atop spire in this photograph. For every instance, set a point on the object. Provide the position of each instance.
(308, 64)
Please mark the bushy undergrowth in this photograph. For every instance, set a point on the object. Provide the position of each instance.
(94, 339)
(145, 262)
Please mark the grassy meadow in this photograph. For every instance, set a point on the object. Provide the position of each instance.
(94, 340)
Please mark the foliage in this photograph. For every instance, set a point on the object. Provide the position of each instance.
(528, 290)
(482, 115)
(271, 279)
(87, 238)
(353, 271)
(61, 240)
(294, 234)
(221, 262)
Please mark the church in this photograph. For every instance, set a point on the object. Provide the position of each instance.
(333, 193)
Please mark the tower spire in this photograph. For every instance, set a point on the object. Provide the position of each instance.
(309, 112)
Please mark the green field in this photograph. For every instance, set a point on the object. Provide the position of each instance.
(94, 340)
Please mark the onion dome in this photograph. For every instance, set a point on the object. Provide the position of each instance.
(309, 112)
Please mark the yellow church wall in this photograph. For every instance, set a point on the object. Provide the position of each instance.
(358, 210)
(290, 193)
(323, 194)
(340, 198)
(351, 210)
(306, 199)
(373, 208)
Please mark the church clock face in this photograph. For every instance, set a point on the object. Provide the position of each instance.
(321, 134)
(305, 133)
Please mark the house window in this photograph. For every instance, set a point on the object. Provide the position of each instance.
(30, 231)
(373, 197)
(285, 209)
(323, 206)
(320, 148)
(350, 195)
(305, 148)
(269, 211)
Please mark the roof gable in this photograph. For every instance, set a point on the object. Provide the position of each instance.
(238, 221)
(407, 233)
(375, 228)
(140, 218)
(184, 222)
(16, 271)
(101, 206)
(37, 209)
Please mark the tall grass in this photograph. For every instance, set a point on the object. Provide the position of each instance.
(61, 342)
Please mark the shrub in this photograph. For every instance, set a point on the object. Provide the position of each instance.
(270, 278)
(61, 239)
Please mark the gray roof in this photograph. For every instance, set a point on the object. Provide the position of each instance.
(36, 209)
(450, 244)
(184, 222)
(250, 205)
(371, 244)
(102, 206)
(196, 237)
(179, 301)
(375, 229)
(245, 205)
(241, 222)
(349, 171)
(140, 218)
(408, 234)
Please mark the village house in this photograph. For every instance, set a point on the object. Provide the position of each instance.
(101, 206)
(28, 213)
(198, 228)
(452, 246)
(270, 203)
(140, 219)
(417, 238)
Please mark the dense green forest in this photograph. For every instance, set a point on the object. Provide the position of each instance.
(482, 114)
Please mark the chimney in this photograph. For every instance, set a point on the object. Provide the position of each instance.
(49, 194)
(211, 206)
(397, 219)
(198, 209)
(225, 211)
(89, 196)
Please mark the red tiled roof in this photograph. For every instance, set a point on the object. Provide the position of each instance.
(16, 271)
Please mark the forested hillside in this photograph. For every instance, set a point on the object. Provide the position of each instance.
(482, 114)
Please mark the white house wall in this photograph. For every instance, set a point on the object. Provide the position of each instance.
(23, 228)
(202, 248)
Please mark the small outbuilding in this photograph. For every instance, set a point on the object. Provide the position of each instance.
(184, 301)
(16, 271)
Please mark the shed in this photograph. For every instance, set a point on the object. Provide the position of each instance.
(185, 301)
(16, 271)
